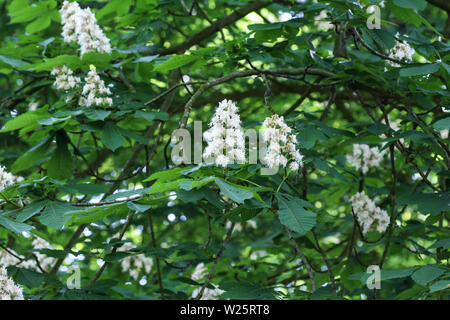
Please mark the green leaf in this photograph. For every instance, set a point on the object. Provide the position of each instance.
(53, 215)
(246, 291)
(95, 114)
(30, 210)
(417, 70)
(32, 156)
(411, 4)
(111, 137)
(41, 23)
(138, 207)
(234, 192)
(21, 121)
(433, 203)
(150, 116)
(444, 243)
(427, 274)
(14, 226)
(175, 62)
(294, 216)
(166, 175)
(13, 62)
(31, 279)
(442, 124)
(440, 285)
(84, 188)
(60, 165)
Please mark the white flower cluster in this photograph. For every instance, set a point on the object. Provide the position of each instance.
(65, 80)
(8, 289)
(226, 135)
(45, 262)
(136, 263)
(94, 91)
(7, 178)
(394, 125)
(364, 157)
(200, 273)
(7, 259)
(81, 26)
(281, 147)
(322, 21)
(402, 51)
(368, 214)
(255, 255)
(238, 227)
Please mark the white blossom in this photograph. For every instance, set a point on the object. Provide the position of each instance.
(255, 255)
(200, 272)
(8, 289)
(238, 226)
(7, 178)
(226, 143)
(134, 264)
(12, 258)
(364, 157)
(80, 25)
(32, 106)
(281, 144)
(401, 51)
(64, 78)
(444, 134)
(45, 262)
(208, 294)
(322, 21)
(94, 91)
(368, 214)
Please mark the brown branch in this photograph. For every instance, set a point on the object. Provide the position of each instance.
(213, 28)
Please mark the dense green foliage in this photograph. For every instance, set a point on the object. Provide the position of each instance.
(335, 86)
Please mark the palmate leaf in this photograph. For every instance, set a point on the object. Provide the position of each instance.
(53, 216)
(292, 214)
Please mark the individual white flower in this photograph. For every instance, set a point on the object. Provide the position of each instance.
(8, 289)
(401, 51)
(251, 224)
(200, 272)
(226, 143)
(255, 255)
(187, 79)
(238, 226)
(369, 216)
(394, 125)
(208, 294)
(322, 21)
(32, 106)
(444, 134)
(280, 144)
(80, 25)
(94, 91)
(134, 264)
(64, 78)
(364, 157)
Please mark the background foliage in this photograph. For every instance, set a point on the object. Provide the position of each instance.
(334, 87)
